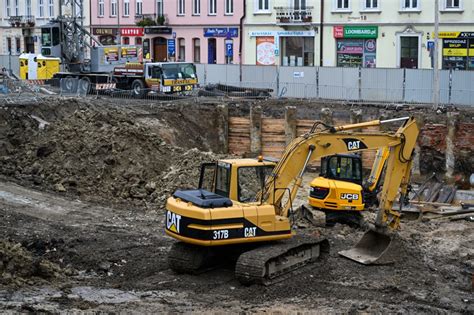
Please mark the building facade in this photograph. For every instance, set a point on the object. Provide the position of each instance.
(359, 33)
(21, 21)
(397, 33)
(281, 32)
(200, 31)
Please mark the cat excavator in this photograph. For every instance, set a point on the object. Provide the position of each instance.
(242, 208)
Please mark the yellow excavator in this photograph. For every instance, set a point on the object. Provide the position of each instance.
(339, 190)
(242, 208)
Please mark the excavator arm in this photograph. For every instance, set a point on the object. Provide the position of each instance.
(288, 173)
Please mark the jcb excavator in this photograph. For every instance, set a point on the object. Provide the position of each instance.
(240, 202)
(341, 174)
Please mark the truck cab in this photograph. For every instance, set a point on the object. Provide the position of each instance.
(170, 77)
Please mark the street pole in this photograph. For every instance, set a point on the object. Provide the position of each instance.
(436, 58)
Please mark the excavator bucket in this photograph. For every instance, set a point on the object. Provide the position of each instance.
(373, 248)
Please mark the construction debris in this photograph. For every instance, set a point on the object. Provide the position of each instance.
(234, 91)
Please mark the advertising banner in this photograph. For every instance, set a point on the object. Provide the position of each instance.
(131, 31)
(266, 50)
(111, 54)
(129, 52)
(355, 31)
(455, 47)
(171, 49)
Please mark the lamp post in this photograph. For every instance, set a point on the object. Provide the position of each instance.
(436, 58)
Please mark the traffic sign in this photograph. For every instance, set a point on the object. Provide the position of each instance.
(430, 44)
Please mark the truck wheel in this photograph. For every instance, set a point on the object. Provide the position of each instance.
(138, 88)
(69, 84)
(84, 85)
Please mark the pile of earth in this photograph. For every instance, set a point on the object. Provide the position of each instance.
(19, 266)
(100, 154)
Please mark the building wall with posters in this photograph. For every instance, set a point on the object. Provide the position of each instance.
(398, 33)
(282, 32)
(20, 22)
(205, 31)
(114, 22)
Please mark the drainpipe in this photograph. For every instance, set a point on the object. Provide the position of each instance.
(241, 38)
(321, 13)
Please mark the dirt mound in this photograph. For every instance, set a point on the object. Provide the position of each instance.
(99, 153)
(18, 265)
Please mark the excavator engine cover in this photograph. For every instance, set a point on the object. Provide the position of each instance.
(374, 248)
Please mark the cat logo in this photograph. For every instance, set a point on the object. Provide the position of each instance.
(347, 196)
(354, 144)
(250, 232)
(172, 221)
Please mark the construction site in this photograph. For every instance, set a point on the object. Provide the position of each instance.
(83, 200)
(143, 186)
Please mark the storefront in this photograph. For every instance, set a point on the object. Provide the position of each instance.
(132, 35)
(228, 34)
(292, 48)
(458, 50)
(155, 45)
(356, 46)
(106, 36)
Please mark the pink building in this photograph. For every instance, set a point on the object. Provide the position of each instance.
(200, 31)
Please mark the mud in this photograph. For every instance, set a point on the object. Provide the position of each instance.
(107, 242)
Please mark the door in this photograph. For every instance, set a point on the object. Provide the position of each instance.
(29, 45)
(299, 12)
(160, 49)
(409, 52)
(211, 51)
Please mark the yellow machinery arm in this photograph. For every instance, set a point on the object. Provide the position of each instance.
(288, 173)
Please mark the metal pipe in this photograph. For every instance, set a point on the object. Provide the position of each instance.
(321, 35)
(436, 58)
(311, 149)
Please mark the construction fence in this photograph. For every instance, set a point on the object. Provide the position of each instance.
(346, 84)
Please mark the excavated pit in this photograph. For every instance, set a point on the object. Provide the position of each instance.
(82, 190)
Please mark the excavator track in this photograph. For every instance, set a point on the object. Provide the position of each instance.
(274, 262)
(187, 258)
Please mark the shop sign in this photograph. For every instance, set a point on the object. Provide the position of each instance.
(171, 48)
(131, 31)
(338, 31)
(282, 33)
(455, 47)
(221, 32)
(158, 30)
(350, 47)
(360, 31)
(471, 48)
(104, 31)
(456, 34)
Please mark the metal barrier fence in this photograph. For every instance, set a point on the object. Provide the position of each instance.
(10, 62)
(346, 84)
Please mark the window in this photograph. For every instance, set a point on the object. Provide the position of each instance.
(51, 7)
(453, 4)
(113, 7)
(139, 7)
(41, 8)
(196, 7)
(410, 4)
(342, 4)
(9, 45)
(250, 182)
(101, 8)
(126, 40)
(7, 7)
(229, 7)
(212, 7)
(18, 45)
(262, 5)
(17, 8)
(126, 7)
(371, 4)
(159, 8)
(196, 50)
(181, 7)
(28, 8)
(181, 50)
(138, 41)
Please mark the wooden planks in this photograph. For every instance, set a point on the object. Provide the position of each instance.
(273, 137)
(239, 135)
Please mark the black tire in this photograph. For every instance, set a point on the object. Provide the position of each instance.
(138, 88)
(84, 86)
(69, 84)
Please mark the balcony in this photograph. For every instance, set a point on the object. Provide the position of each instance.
(292, 15)
(145, 20)
(23, 21)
